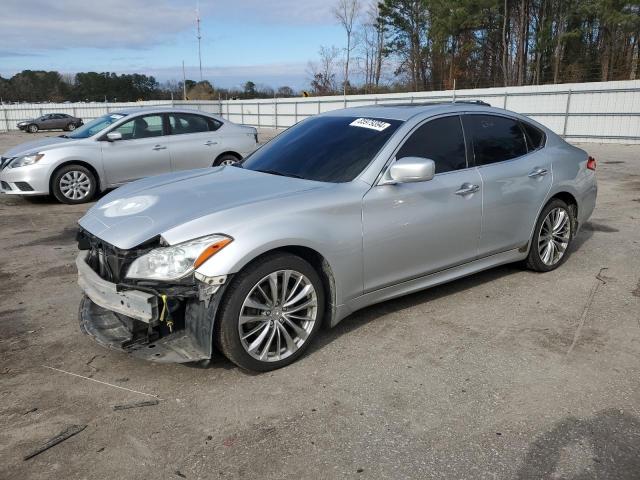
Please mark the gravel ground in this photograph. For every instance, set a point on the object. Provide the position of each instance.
(505, 374)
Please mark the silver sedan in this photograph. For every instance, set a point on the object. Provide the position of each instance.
(341, 211)
(120, 147)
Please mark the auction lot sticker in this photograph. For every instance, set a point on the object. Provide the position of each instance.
(370, 123)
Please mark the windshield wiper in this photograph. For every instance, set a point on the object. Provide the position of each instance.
(275, 172)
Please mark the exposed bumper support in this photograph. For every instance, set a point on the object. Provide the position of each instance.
(128, 320)
(132, 303)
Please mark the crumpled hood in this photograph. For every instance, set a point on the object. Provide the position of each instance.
(139, 211)
(35, 146)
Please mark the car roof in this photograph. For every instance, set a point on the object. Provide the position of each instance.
(159, 108)
(405, 111)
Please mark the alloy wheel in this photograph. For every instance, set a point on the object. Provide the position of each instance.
(71, 127)
(228, 161)
(75, 185)
(278, 315)
(554, 236)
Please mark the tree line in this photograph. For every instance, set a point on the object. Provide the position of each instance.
(52, 86)
(430, 44)
(410, 45)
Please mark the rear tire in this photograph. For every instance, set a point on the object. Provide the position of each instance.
(226, 159)
(552, 237)
(74, 184)
(260, 330)
(33, 128)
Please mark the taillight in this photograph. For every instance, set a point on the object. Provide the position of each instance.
(591, 163)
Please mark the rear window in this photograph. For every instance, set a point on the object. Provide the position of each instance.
(535, 136)
(494, 138)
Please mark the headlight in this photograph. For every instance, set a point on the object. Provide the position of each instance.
(177, 261)
(26, 160)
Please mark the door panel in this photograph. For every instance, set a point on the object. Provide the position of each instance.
(512, 200)
(515, 183)
(46, 122)
(413, 229)
(195, 141)
(142, 152)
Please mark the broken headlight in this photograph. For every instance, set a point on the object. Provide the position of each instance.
(177, 261)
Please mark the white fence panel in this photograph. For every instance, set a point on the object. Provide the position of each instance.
(591, 112)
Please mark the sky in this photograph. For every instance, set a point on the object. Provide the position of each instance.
(269, 42)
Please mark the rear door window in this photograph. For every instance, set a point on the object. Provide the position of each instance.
(181, 123)
(441, 140)
(494, 138)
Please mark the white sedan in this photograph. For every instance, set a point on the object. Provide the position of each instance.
(120, 147)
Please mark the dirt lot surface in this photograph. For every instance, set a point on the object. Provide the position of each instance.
(505, 374)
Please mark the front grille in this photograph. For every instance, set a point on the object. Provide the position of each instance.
(24, 187)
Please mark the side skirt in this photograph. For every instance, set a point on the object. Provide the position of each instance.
(427, 281)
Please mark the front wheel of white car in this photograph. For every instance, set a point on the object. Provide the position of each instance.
(74, 184)
(226, 159)
(271, 313)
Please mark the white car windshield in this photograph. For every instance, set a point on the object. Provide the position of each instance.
(95, 126)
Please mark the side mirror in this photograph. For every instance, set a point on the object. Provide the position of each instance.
(411, 169)
(114, 136)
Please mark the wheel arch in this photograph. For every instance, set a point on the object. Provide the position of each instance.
(82, 163)
(229, 152)
(567, 198)
(320, 264)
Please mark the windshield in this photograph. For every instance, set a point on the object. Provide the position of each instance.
(325, 149)
(95, 126)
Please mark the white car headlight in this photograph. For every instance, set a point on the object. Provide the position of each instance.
(177, 261)
(25, 160)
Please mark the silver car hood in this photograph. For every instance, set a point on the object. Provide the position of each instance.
(141, 210)
(35, 146)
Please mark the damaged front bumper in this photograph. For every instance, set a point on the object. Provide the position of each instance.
(130, 319)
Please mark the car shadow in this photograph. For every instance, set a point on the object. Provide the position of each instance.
(51, 200)
(369, 314)
(603, 446)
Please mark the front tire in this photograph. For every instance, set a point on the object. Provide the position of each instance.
(552, 236)
(271, 313)
(74, 184)
(33, 128)
(71, 127)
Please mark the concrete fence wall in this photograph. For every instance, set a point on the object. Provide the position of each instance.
(581, 112)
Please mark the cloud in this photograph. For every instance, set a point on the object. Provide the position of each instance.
(273, 74)
(46, 24)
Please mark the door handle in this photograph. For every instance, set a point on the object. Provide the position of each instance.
(538, 172)
(467, 189)
(209, 143)
(159, 147)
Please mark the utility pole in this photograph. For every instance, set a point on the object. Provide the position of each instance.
(199, 37)
(184, 83)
